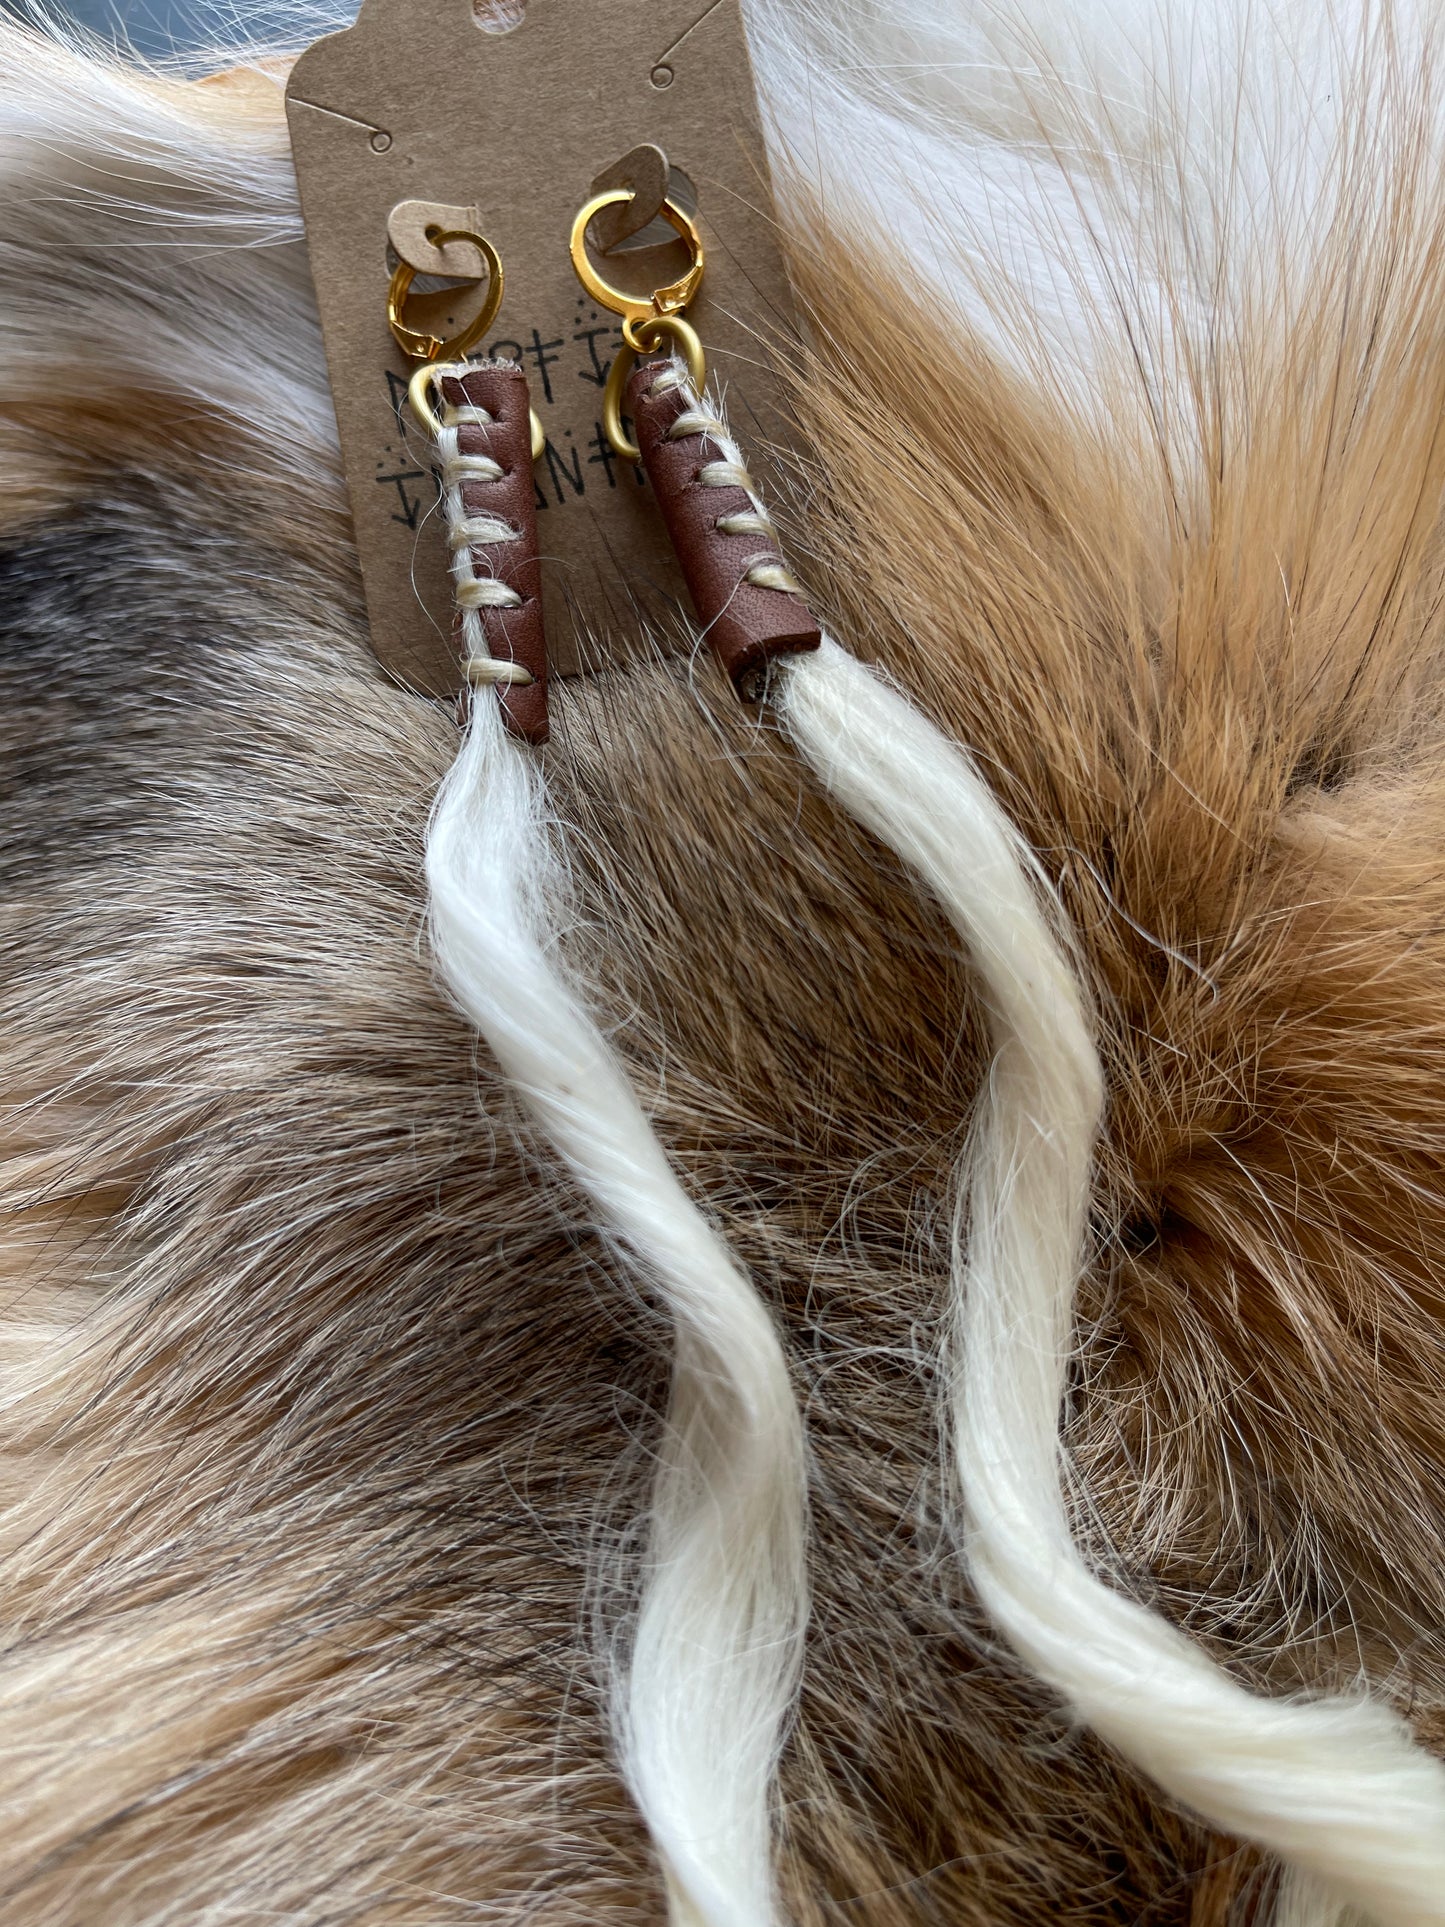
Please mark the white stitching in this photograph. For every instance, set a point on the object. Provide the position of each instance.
(489, 670)
(485, 592)
(457, 469)
(480, 532)
(747, 522)
(764, 571)
(472, 591)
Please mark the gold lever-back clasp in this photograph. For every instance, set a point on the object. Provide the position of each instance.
(647, 319)
(637, 307)
(430, 349)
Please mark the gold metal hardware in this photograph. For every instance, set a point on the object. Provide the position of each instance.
(647, 319)
(428, 347)
(642, 337)
(419, 396)
(663, 301)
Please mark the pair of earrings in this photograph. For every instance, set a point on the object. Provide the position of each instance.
(485, 436)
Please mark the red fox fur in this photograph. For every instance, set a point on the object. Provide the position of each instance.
(319, 1394)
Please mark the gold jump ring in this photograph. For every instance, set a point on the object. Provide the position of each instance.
(419, 396)
(643, 336)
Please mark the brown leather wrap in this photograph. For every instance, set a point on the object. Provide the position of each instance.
(513, 635)
(747, 626)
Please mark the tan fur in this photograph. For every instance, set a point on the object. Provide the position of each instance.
(317, 1387)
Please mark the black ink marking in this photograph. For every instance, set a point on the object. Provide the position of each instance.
(397, 386)
(565, 468)
(410, 509)
(597, 373)
(539, 350)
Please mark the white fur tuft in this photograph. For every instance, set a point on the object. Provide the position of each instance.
(717, 1643)
(1334, 1786)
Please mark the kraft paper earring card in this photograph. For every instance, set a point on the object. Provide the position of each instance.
(419, 106)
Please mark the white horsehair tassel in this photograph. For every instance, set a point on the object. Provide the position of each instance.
(703, 1691)
(1335, 1786)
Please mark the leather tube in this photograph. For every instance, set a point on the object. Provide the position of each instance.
(745, 624)
(513, 635)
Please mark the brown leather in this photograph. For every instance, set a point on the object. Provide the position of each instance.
(747, 626)
(513, 635)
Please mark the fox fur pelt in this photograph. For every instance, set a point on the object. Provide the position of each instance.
(325, 1406)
